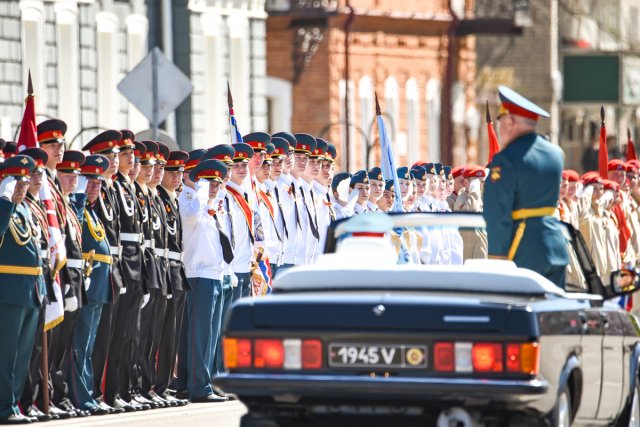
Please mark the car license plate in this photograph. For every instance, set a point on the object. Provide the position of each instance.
(378, 355)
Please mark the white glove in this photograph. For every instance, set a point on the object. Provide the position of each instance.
(234, 280)
(344, 191)
(606, 199)
(82, 184)
(123, 291)
(474, 185)
(145, 300)
(87, 283)
(71, 304)
(7, 186)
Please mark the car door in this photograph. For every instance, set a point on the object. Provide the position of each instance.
(591, 358)
(612, 363)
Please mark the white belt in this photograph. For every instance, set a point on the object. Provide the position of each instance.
(176, 256)
(150, 244)
(44, 253)
(161, 252)
(131, 237)
(115, 250)
(75, 263)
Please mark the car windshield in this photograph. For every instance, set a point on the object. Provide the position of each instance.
(435, 239)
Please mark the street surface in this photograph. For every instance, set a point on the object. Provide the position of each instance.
(225, 414)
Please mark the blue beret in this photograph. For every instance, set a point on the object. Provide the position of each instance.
(375, 173)
(359, 177)
(338, 178)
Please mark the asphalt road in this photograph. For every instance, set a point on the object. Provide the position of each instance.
(225, 414)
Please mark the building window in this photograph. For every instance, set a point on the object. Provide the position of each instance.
(279, 104)
(107, 52)
(413, 121)
(137, 25)
(343, 119)
(433, 118)
(239, 63)
(216, 126)
(33, 51)
(367, 111)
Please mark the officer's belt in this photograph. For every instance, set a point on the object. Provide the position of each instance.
(98, 257)
(18, 269)
(150, 244)
(522, 215)
(75, 263)
(115, 250)
(161, 252)
(176, 256)
(131, 237)
(532, 213)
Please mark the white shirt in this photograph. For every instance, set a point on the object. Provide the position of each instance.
(324, 215)
(347, 210)
(202, 249)
(272, 236)
(290, 245)
(306, 240)
(243, 249)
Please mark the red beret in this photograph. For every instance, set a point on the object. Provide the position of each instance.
(458, 170)
(610, 185)
(631, 166)
(591, 177)
(615, 165)
(634, 162)
(570, 175)
(474, 172)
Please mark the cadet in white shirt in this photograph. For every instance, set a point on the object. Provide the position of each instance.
(376, 187)
(343, 199)
(360, 183)
(206, 248)
(308, 211)
(268, 210)
(321, 187)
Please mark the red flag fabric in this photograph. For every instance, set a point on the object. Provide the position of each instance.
(494, 147)
(603, 153)
(28, 135)
(631, 150)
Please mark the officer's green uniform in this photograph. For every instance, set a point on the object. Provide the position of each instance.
(521, 195)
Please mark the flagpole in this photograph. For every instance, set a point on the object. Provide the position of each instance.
(230, 106)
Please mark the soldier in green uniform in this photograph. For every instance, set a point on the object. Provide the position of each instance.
(23, 288)
(521, 192)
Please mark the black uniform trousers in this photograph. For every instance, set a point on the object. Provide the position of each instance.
(59, 351)
(168, 350)
(151, 331)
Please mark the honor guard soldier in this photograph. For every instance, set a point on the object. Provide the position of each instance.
(376, 187)
(469, 199)
(328, 171)
(303, 173)
(167, 191)
(385, 203)
(108, 211)
(97, 256)
(420, 181)
(280, 149)
(23, 289)
(119, 368)
(268, 212)
(319, 190)
(343, 197)
(360, 183)
(521, 192)
(32, 393)
(283, 189)
(71, 276)
(242, 217)
(207, 249)
(9, 150)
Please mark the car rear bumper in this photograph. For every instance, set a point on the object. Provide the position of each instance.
(300, 386)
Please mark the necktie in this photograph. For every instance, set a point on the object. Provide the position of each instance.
(315, 209)
(227, 250)
(233, 243)
(314, 228)
(332, 211)
(284, 223)
(295, 205)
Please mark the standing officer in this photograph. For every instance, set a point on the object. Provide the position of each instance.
(22, 290)
(521, 192)
(304, 170)
(96, 253)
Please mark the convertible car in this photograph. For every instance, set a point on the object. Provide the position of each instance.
(358, 340)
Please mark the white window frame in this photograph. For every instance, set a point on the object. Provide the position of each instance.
(216, 119)
(137, 30)
(108, 66)
(33, 51)
(280, 93)
(434, 111)
(367, 112)
(239, 73)
(413, 120)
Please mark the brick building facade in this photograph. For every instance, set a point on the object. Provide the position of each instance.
(398, 49)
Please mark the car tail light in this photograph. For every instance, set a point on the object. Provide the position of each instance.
(237, 353)
(311, 354)
(269, 353)
(487, 357)
(523, 358)
(443, 357)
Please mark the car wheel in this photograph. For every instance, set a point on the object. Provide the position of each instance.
(560, 416)
(631, 414)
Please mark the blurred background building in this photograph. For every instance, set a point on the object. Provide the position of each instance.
(78, 52)
(572, 57)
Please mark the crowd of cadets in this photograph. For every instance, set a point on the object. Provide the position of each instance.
(159, 243)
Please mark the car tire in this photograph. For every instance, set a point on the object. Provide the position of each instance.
(561, 414)
(631, 415)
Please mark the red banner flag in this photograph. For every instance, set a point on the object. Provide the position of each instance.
(494, 147)
(631, 149)
(28, 135)
(603, 153)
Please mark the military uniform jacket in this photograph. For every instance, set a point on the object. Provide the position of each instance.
(158, 219)
(72, 273)
(131, 260)
(108, 211)
(177, 278)
(525, 175)
(99, 289)
(39, 217)
(150, 270)
(19, 248)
